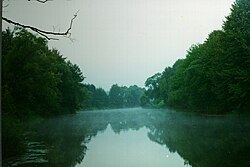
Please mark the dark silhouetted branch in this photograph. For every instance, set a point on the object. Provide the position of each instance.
(42, 32)
(42, 1)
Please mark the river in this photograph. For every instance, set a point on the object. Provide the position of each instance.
(138, 138)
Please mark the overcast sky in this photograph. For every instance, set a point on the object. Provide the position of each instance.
(123, 41)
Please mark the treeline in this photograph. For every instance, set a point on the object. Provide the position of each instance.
(215, 76)
(36, 82)
(117, 97)
(36, 79)
(39, 82)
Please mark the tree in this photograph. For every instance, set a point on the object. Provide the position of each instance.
(122, 96)
(96, 97)
(152, 87)
(101, 98)
(133, 95)
(36, 78)
(116, 96)
(237, 30)
(214, 77)
(165, 82)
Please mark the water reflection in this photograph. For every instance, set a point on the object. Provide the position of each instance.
(128, 148)
(201, 141)
(206, 141)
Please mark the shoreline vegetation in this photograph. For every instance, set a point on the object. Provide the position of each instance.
(39, 82)
(214, 77)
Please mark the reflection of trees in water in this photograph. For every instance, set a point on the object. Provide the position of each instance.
(65, 137)
(123, 121)
(201, 141)
(206, 141)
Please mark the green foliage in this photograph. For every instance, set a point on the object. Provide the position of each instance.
(97, 98)
(237, 29)
(120, 97)
(36, 81)
(71, 87)
(151, 95)
(214, 77)
(133, 95)
(116, 96)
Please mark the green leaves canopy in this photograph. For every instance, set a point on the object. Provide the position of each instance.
(37, 79)
(214, 77)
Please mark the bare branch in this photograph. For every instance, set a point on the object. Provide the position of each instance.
(43, 32)
(42, 1)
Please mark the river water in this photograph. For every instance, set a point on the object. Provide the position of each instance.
(138, 138)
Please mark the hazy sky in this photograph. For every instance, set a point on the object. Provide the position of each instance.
(123, 41)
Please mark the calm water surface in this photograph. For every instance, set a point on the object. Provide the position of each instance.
(130, 148)
(138, 137)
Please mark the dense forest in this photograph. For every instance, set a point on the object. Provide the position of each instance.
(39, 82)
(36, 79)
(215, 75)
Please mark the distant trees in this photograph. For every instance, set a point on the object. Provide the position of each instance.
(125, 96)
(97, 98)
(214, 77)
(116, 97)
(132, 96)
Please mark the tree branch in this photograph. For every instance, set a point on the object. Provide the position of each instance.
(43, 32)
(42, 1)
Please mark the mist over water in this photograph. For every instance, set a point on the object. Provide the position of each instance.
(139, 137)
(128, 148)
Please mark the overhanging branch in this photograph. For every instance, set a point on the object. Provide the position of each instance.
(42, 1)
(43, 32)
